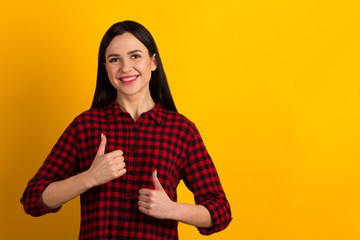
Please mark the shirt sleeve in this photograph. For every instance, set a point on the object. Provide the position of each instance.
(60, 164)
(201, 178)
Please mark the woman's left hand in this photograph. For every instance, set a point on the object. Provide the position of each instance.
(155, 202)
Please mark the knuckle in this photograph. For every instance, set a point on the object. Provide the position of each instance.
(118, 161)
(119, 152)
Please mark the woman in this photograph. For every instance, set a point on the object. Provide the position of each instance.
(126, 155)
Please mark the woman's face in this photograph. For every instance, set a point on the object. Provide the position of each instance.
(129, 65)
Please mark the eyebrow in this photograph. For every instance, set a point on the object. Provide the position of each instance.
(117, 55)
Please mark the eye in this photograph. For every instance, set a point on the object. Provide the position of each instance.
(135, 56)
(114, 60)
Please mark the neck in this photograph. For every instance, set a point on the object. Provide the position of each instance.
(135, 105)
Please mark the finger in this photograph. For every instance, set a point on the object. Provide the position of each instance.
(115, 154)
(144, 205)
(144, 210)
(118, 160)
(156, 181)
(145, 191)
(102, 145)
(144, 198)
(120, 166)
(118, 173)
(117, 166)
(121, 172)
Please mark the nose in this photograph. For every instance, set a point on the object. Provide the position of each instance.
(126, 66)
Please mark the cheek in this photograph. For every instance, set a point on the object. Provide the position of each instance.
(112, 76)
(111, 72)
(144, 68)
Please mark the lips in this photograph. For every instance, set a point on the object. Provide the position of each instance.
(128, 79)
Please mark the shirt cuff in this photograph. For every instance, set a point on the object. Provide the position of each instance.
(220, 215)
(32, 201)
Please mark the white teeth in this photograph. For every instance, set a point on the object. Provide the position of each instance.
(128, 79)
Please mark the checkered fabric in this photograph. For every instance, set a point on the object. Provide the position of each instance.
(159, 139)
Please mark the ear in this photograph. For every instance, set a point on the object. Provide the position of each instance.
(153, 62)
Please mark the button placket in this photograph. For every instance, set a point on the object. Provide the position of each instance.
(131, 146)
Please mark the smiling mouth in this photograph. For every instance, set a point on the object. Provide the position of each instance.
(129, 79)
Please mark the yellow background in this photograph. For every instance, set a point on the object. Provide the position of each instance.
(273, 87)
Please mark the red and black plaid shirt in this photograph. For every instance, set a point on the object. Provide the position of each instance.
(159, 139)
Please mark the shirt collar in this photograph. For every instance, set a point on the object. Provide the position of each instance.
(156, 113)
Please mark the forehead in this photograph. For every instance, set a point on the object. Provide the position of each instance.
(122, 44)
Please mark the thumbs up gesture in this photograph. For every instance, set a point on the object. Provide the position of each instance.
(106, 167)
(155, 202)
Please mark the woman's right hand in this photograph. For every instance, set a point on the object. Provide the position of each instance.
(106, 167)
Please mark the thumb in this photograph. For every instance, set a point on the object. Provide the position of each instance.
(102, 145)
(156, 181)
